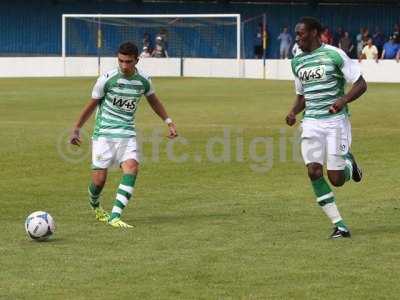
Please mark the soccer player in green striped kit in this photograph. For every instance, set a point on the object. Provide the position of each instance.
(116, 96)
(321, 72)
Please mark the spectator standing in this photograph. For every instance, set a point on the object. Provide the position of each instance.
(286, 40)
(360, 42)
(396, 30)
(161, 44)
(346, 44)
(159, 48)
(145, 52)
(366, 34)
(163, 36)
(295, 49)
(258, 43)
(146, 41)
(396, 38)
(369, 51)
(337, 36)
(379, 40)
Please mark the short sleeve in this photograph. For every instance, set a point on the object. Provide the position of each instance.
(364, 50)
(150, 90)
(298, 86)
(297, 83)
(350, 68)
(98, 89)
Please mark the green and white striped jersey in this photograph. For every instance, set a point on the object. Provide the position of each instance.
(118, 97)
(321, 77)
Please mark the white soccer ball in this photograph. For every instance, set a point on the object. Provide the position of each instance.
(39, 225)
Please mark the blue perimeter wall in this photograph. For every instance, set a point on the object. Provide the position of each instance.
(34, 27)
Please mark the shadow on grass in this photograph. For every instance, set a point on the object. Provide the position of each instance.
(53, 240)
(376, 230)
(184, 218)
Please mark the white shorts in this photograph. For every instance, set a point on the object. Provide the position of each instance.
(109, 152)
(326, 140)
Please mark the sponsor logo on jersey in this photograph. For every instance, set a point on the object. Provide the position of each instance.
(126, 104)
(312, 74)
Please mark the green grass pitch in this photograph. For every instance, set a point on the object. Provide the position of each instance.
(204, 229)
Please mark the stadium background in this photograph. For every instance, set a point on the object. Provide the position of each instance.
(33, 28)
(203, 229)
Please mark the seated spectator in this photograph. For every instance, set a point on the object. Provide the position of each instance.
(369, 51)
(390, 49)
(326, 36)
(346, 44)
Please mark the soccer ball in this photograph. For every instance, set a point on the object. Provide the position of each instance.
(39, 225)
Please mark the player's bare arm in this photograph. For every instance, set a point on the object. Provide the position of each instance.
(83, 117)
(357, 89)
(159, 109)
(298, 106)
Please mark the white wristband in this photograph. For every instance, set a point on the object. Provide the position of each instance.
(168, 121)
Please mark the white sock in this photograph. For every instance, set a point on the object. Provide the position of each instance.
(331, 210)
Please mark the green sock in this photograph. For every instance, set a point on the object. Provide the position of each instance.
(94, 194)
(326, 199)
(341, 225)
(323, 191)
(124, 193)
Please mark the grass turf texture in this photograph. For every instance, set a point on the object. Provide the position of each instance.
(204, 230)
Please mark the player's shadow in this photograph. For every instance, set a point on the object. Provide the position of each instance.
(376, 230)
(184, 218)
